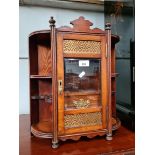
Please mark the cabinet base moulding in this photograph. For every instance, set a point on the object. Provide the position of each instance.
(47, 133)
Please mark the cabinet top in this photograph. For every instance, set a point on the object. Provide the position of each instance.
(80, 25)
(45, 34)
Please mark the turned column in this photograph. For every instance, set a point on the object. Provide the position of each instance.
(109, 108)
(54, 84)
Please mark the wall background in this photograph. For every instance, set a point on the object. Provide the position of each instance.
(123, 26)
(36, 18)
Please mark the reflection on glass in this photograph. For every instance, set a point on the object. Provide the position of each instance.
(82, 75)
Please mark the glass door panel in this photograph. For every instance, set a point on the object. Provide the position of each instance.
(82, 83)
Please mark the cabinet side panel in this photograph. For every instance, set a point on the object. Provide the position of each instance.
(33, 56)
(44, 60)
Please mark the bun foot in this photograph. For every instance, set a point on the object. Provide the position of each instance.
(109, 137)
(55, 145)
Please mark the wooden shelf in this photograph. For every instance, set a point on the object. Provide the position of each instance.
(47, 98)
(81, 92)
(69, 93)
(49, 77)
(85, 110)
(40, 77)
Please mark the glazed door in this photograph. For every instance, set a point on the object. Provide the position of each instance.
(82, 83)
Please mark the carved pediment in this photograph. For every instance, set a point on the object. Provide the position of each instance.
(81, 25)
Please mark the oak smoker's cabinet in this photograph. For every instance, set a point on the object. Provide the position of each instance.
(72, 82)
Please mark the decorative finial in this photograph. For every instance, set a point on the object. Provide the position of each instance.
(52, 22)
(108, 26)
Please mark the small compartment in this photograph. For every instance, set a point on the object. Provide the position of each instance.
(40, 56)
(41, 104)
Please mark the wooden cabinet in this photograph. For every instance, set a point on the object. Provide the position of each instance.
(72, 82)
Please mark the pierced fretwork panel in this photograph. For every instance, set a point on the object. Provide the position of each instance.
(81, 120)
(82, 47)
